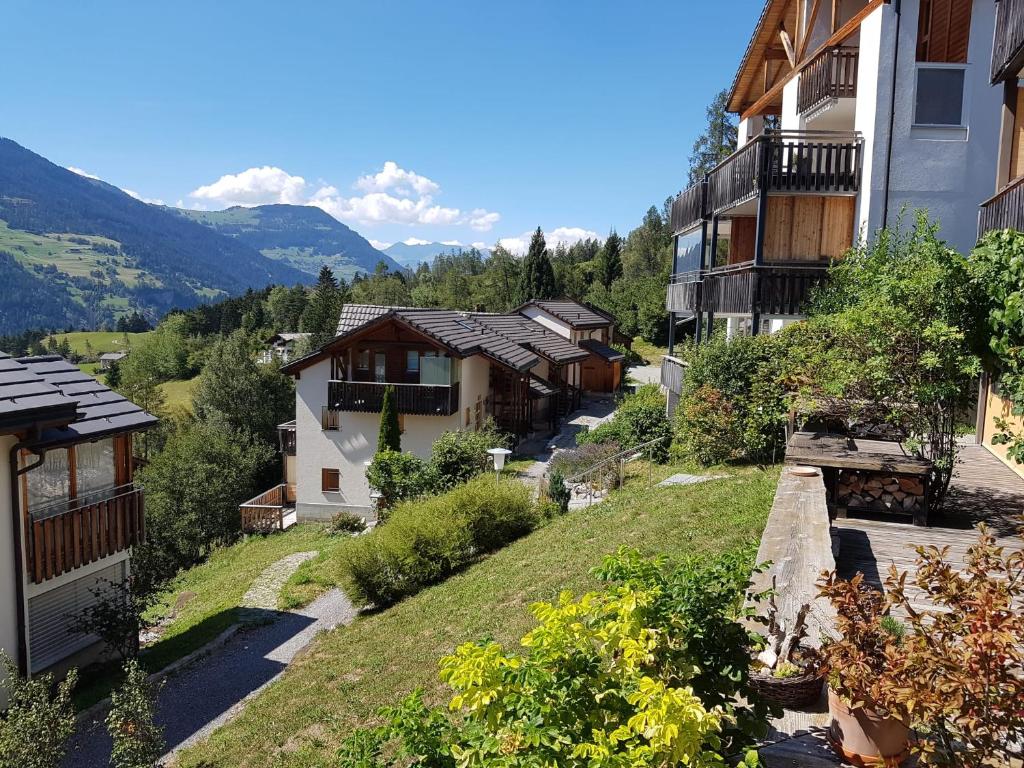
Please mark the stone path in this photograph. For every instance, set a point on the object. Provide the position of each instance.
(681, 478)
(645, 374)
(202, 696)
(593, 411)
(265, 590)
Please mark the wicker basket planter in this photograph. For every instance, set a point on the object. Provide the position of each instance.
(789, 692)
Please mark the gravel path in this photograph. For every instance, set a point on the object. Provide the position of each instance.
(265, 590)
(206, 694)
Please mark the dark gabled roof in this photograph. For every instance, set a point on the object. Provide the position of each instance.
(100, 410)
(461, 332)
(356, 315)
(571, 312)
(533, 336)
(540, 388)
(602, 350)
(26, 400)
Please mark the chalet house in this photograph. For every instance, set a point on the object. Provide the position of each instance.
(849, 111)
(71, 512)
(282, 346)
(1005, 208)
(107, 359)
(451, 370)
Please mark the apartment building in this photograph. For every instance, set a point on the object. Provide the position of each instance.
(1005, 208)
(849, 112)
(71, 511)
(451, 370)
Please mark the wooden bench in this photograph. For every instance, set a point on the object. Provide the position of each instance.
(834, 453)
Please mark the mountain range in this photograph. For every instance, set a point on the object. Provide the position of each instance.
(78, 252)
(411, 255)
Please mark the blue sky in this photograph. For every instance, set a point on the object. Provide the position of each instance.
(432, 120)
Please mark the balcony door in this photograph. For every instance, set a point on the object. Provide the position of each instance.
(380, 367)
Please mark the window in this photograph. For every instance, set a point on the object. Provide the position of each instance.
(939, 98)
(412, 361)
(363, 361)
(330, 480)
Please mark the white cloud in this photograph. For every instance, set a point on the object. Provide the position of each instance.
(520, 244)
(137, 196)
(404, 183)
(455, 243)
(254, 186)
(479, 244)
(394, 195)
(415, 241)
(80, 172)
(380, 245)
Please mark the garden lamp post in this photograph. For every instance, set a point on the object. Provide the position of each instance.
(498, 455)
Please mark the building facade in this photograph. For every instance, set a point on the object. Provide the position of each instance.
(72, 512)
(450, 370)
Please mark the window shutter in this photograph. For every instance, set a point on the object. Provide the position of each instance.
(330, 480)
(943, 31)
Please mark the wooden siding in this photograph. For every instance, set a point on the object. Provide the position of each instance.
(1017, 151)
(943, 32)
(742, 236)
(808, 228)
(1008, 45)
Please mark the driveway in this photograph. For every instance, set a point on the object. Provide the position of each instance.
(204, 695)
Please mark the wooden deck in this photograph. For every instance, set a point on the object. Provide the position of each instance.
(983, 490)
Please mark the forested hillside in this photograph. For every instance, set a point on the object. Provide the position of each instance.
(82, 252)
(302, 236)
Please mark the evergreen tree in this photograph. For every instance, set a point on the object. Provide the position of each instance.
(390, 437)
(114, 375)
(718, 140)
(538, 281)
(609, 260)
(648, 248)
(320, 317)
(138, 742)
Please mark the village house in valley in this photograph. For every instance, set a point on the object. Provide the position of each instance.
(451, 370)
(71, 511)
(850, 111)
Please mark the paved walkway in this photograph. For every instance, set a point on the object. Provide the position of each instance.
(204, 695)
(592, 412)
(645, 374)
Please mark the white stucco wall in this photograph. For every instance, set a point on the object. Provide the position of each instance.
(350, 447)
(8, 594)
(549, 321)
(947, 171)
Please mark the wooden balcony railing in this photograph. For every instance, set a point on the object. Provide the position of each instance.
(267, 511)
(831, 75)
(68, 535)
(788, 162)
(683, 293)
(742, 289)
(1005, 209)
(673, 371)
(1008, 45)
(413, 399)
(689, 207)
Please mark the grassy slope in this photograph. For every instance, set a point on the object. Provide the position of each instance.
(351, 672)
(649, 352)
(101, 341)
(218, 586)
(179, 393)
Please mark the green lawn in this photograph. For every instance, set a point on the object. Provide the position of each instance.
(100, 341)
(179, 393)
(217, 587)
(350, 672)
(649, 352)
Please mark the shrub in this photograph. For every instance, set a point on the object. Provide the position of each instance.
(639, 419)
(558, 491)
(346, 522)
(426, 540)
(40, 718)
(138, 742)
(708, 428)
(399, 476)
(458, 456)
(646, 672)
(572, 462)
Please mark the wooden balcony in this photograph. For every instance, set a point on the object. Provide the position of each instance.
(673, 371)
(744, 289)
(683, 292)
(412, 399)
(1008, 44)
(65, 536)
(272, 510)
(1005, 209)
(826, 163)
(831, 75)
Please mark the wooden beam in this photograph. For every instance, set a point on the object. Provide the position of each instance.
(774, 54)
(805, 38)
(787, 44)
(835, 17)
(840, 35)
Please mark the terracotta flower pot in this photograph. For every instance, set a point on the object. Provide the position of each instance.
(863, 737)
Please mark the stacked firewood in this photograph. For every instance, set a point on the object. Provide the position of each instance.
(879, 491)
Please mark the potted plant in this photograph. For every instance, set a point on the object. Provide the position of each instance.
(869, 724)
(787, 672)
